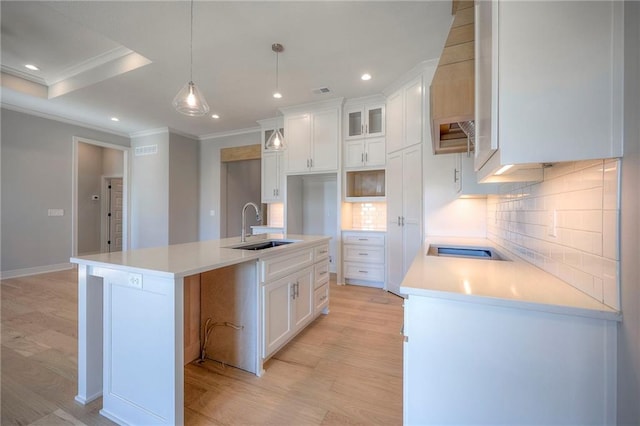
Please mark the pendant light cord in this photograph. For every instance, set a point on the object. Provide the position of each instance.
(191, 46)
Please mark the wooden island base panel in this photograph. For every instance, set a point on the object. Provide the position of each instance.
(137, 315)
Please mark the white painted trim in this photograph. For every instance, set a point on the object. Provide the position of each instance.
(15, 273)
(126, 201)
(410, 75)
(229, 133)
(329, 103)
(149, 132)
(90, 64)
(23, 75)
(61, 119)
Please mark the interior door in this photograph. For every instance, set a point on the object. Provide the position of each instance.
(114, 214)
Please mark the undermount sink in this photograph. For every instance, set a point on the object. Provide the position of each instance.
(467, 252)
(263, 245)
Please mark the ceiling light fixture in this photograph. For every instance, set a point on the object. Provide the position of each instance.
(366, 77)
(32, 67)
(189, 100)
(278, 48)
(216, 116)
(115, 119)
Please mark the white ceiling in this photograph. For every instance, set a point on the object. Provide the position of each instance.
(100, 59)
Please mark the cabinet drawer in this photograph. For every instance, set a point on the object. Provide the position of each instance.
(279, 266)
(321, 252)
(363, 254)
(360, 238)
(321, 272)
(321, 298)
(362, 271)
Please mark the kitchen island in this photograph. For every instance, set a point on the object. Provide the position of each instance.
(503, 342)
(136, 312)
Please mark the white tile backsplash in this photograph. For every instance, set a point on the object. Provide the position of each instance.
(567, 225)
(371, 216)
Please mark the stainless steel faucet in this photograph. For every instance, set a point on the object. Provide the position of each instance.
(243, 234)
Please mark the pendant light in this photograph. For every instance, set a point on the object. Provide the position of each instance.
(276, 140)
(189, 100)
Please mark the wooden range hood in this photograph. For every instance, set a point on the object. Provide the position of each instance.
(453, 86)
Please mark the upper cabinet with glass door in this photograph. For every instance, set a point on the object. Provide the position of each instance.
(364, 118)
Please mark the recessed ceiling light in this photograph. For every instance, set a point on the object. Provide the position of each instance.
(277, 95)
(32, 67)
(115, 119)
(216, 116)
(366, 77)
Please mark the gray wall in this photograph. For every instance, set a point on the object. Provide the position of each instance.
(629, 329)
(90, 160)
(36, 175)
(164, 191)
(150, 193)
(210, 180)
(242, 184)
(184, 189)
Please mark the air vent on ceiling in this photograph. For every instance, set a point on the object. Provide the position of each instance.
(321, 90)
(146, 150)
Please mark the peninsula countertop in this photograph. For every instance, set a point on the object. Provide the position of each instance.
(510, 283)
(181, 260)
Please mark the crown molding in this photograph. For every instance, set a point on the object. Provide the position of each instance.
(230, 133)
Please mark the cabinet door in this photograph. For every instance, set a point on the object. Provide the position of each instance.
(277, 297)
(271, 177)
(412, 204)
(375, 121)
(375, 152)
(303, 309)
(353, 153)
(325, 140)
(486, 141)
(457, 173)
(355, 123)
(413, 114)
(395, 124)
(394, 220)
(298, 130)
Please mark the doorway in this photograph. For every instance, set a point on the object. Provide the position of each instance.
(113, 196)
(99, 213)
(240, 182)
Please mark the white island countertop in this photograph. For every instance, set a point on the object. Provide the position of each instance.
(181, 260)
(510, 283)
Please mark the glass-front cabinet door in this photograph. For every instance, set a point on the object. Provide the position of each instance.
(365, 121)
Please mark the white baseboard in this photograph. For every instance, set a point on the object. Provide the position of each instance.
(15, 273)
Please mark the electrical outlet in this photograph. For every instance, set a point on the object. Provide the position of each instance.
(135, 280)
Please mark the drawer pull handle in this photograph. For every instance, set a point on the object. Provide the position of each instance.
(364, 272)
(323, 251)
(363, 254)
(363, 239)
(323, 273)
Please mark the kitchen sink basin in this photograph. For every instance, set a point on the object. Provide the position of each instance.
(467, 252)
(262, 245)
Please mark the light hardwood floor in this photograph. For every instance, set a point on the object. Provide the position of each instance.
(344, 369)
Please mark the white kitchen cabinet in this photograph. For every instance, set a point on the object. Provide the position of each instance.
(272, 171)
(546, 93)
(465, 179)
(313, 138)
(476, 363)
(369, 152)
(363, 256)
(295, 290)
(272, 177)
(405, 116)
(288, 305)
(364, 120)
(404, 212)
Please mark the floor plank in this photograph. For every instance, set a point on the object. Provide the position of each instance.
(345, 368)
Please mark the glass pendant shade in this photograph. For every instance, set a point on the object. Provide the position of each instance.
(189, 101)
(275, 141)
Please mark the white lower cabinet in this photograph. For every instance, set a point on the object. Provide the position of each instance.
(473, 363)
(292, 301)
(363, 255)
